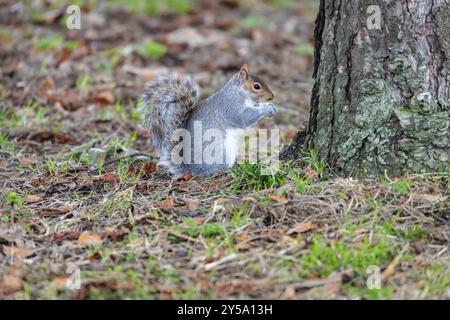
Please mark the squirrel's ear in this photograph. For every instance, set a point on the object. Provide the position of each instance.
(244, 74)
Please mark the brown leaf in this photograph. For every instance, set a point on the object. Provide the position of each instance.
(89, 238)
(290, 135)
(31, 198)
(332, 289)
(70, 101)
(135, 168)
(49, 212)
(244, 243)
(429, 198)
(278, 199)
(12, 282)
(103, 97)
(63, 55)
(198, 220)
(310, 173)
(49, 83)
(25, 162)
(147, 74)
(186, 176)
(55, 137)
(288, 294)
(3, 164)
(144, 134)
(52, 16)
(66, 235)
(150, 168)
(18, 253)
(59, 283)
(191, 204)
(109, 177)
(390, 270)
(225, 23)
(146, 169)
(301, 228)
(167, 204)
(11, 67)
(113, 234)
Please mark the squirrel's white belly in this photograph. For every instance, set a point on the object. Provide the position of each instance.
(231, 146)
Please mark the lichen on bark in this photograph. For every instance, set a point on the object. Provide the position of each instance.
(381, 96)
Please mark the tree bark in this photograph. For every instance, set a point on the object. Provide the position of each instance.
(380, 101)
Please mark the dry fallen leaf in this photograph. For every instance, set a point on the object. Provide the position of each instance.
(66, 235)
(140, 167)
(198, 220)
(109, 177)
(289, 294)
(3, 164)
(18, 253)
(147, 74)
(12, 282)
(55, 137)
(49, 83)
(25, 162)
(70, 101)
(113, 234)
(249, 199)
(332, 289)
(31, 198)
(390, 270)
(194, 38)
(278, 199)
(191, 204)
(104, 97)
(301, 228)
(429, 198)
(50, 212)
(290, 135)
(167, 204)
(150, 167)
(59, 283)
(186, 176)
(310, 173)
(89, 238)
(243, 241)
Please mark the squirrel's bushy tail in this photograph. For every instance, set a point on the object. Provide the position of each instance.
(169, 100)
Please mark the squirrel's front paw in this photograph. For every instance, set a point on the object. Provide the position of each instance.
(271, 109)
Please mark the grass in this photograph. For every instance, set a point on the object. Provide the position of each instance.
(299, 231)
(409, 233)
(7, 146)
(324, 258)
(305, 50)
(83, 84)
(14, 200)
(56, 42)
(281, 2)
(356, 243)
(152, 50)
(248, 175)
(434, 282)
(31, 114)
(253, 21)
(156, 7)
(401, 187)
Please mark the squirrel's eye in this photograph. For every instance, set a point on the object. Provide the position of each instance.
(256, 86)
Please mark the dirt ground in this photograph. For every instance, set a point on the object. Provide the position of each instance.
(76, 202)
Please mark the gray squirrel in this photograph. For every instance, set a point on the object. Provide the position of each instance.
(181, 129)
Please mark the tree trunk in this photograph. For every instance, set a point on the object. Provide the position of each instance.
(381, 96)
